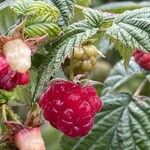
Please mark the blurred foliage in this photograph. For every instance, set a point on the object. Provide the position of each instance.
(51, 137)
(100, 2)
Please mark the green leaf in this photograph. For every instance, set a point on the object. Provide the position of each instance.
(7, 19)
(6, 3)
(94, 17)
(122, 124)
(31, 8)
(41, 17)
(120, 76)
(66, 8)
(131, 29)
(23, 96)
(84, 3)
(6, 96)
(42, 25)
(21, 6)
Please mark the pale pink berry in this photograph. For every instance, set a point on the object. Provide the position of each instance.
(29, 139)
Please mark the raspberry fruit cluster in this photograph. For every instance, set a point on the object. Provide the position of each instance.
(70, 107)
(82, 61)
(142, 58)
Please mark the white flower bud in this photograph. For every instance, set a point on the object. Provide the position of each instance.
(18, 55)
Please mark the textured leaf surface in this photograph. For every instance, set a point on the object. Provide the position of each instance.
(6, 3)
(6, 96)
(119, 75)
(94, 17)
(66, 8)
(41, 17)
(7, 19)
(42, 25)
(23, 96)
(31, 7)
(123, 124)
(132, 30)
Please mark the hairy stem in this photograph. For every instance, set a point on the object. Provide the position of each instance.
(4, 113)
(79, 7)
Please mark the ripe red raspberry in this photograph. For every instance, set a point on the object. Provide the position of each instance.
(9, 78)
(142, 58)
(23, 78)
(70, 107)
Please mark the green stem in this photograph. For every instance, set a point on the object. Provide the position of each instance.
(139, 89)
(79, 7)
(4, 114)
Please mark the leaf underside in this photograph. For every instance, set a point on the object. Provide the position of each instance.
(131, 29)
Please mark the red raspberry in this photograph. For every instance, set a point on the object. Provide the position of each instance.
(23, 78)
(3, 65)
(9, 78)
(70, 107)
(142, 58)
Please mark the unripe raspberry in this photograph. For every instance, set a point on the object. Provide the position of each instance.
(18, 55)
(93, 60)
(86, 66)
(29, 139)
(82, 61)
(70, 107)
(90, 50)
(142, 58)
(78, 53)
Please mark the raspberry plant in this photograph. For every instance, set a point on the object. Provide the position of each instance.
(37, 38)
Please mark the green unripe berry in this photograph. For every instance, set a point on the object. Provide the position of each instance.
(78, 53)
(86, 66)
(90, 50)
(76, 63)
(82, 61)
(93, 60)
